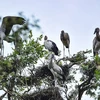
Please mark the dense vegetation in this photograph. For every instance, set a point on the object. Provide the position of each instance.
(22, 78)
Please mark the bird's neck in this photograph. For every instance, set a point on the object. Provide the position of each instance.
(50, 63)
(45, 40)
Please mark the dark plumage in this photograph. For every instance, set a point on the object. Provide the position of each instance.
(64, 37)
(6, 27)
(96, 42)
(9, 21)
(50, 45)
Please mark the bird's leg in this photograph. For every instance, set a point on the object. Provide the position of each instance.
(55, 59)
(1, 46)
(2, 49)
(63, 51)
(55, 79)
(69, 52)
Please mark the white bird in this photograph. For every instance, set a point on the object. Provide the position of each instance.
(6, 27)
(96, 42)
(55, 69)
(64, 37)
(51, 46)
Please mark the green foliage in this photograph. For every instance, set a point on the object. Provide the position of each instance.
(97, 74)
(26, 54)
(17, 70)
(31, 52)
(97, 59)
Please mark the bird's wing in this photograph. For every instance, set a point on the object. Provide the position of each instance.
(53, 44)
(57, 68)
(94, 43)
(67, 36)
(54, 48)
(9, 21)
(96, 46)
(48, 45)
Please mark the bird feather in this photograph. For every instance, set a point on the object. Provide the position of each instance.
(9, 21)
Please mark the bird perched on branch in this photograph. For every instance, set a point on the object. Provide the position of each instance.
(55, 69)
(96, 42)
(6, 27)
(64, 37)
(51, 46)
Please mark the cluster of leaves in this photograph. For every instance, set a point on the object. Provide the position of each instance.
(26, 54)
(30, 52)
(90, 80)
(12, 66)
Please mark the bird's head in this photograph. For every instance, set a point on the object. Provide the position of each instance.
(96, 30)
(53, 56)
(62, 35)
(45, 38)
(62, 31)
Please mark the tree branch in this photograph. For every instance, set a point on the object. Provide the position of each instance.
(86, 84)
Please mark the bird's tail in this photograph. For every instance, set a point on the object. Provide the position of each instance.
(57, 52)
(67, 46)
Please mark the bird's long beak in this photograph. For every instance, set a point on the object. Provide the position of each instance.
(94, 32)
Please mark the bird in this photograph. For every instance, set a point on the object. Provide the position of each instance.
(65, 39)
(6, 26)
(96, 42)
(51, 46)
(55, 69)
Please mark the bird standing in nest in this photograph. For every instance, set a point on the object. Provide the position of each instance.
(56, 70)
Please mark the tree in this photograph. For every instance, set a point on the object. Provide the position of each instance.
(21, 78)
